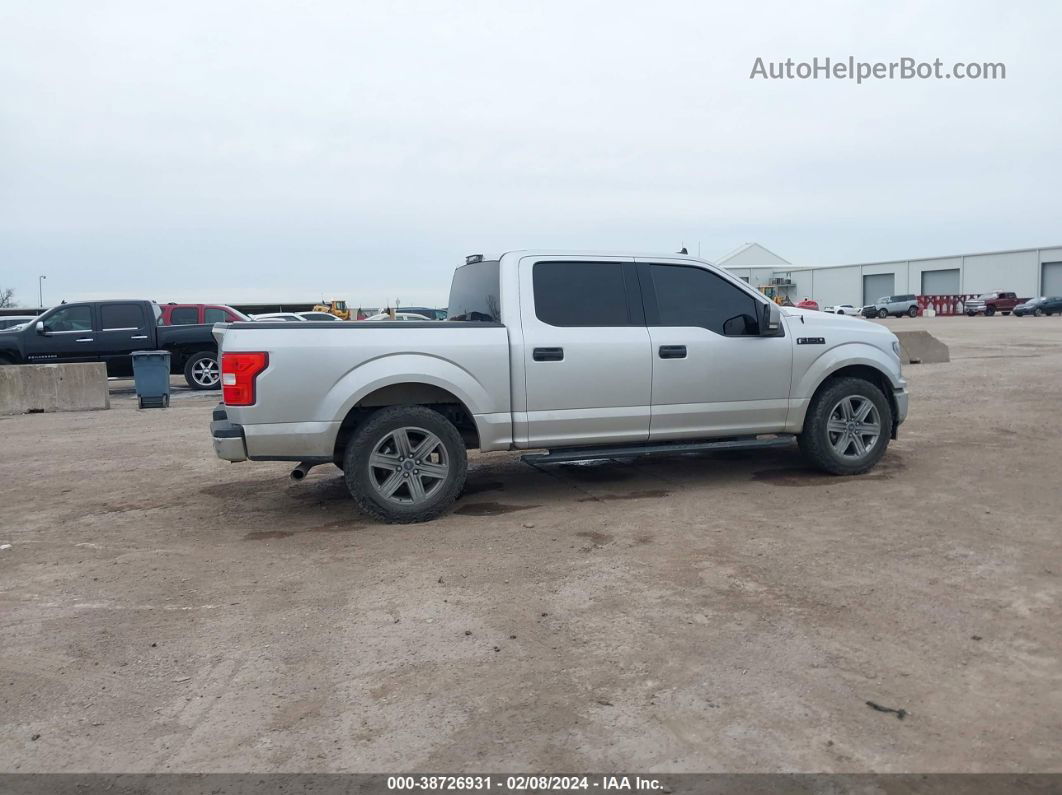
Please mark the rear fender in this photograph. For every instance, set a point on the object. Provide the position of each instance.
(413, 368)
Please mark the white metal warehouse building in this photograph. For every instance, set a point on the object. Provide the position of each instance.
(1028, 272)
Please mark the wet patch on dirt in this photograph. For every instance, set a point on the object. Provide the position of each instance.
(266, 535)
(886, 469)
(490, 508)
(596, 538)
(647, 494)
(603, 471)
(331, 527)
(479, 488)
(243, 488)
(336, 527)
(322, 491)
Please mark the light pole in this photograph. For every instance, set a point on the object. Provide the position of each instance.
(40, 291)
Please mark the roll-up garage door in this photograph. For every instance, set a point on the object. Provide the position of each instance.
(942, 282)
(877, 285)
(1051, 281)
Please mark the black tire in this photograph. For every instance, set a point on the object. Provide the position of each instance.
(403, 507)
(815, 441)
(883, 313)
(1038, 313)
(989, 311)
(1019, 314)
(197, 371)
(912, 312)
(971, 314)
(3, 361)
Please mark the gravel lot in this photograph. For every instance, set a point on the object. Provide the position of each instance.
(161, 610)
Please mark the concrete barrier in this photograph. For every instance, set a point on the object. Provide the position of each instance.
(921, 347)
(53, 387)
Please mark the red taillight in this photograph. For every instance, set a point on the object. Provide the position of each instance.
(239, 371)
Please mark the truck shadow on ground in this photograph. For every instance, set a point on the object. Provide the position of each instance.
(510, 485)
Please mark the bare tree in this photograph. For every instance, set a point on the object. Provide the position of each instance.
(7, 297)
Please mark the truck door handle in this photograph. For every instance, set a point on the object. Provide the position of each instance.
(83, 339)
(139, 337)
(672, 351)
(548, 354)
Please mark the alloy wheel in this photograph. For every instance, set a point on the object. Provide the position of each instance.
(408, 466)
(205, 372)
(853, 427)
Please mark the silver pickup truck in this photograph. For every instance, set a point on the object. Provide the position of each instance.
(582, 355)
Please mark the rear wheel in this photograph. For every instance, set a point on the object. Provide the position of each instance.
(912, 312)
(847, 427)
(201, 371)
(883, 313)
(405, 464)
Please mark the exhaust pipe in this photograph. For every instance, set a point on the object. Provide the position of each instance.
(301, 471)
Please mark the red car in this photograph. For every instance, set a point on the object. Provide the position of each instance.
(195, 314)
(808, 303)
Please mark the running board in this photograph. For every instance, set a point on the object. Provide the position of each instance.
(656, 448)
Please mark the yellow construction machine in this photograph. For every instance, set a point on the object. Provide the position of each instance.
(337, 308)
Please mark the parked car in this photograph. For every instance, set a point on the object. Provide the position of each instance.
(14, 321)
(841, 309)
(109, 331)
(895, 305)
(672, 355)
(198, 314)
(429, 313)
(280, 317)
(398, 316)
(990, 303)
(1040, 306)
(319, 317)
(808, 303)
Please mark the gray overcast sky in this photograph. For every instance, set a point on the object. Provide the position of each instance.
(242, 150)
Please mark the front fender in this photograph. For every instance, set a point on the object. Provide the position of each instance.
(828, 363)
(846, 355)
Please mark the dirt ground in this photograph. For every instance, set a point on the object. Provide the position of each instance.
(161, 610)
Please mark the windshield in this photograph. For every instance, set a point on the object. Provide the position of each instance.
(986, 296)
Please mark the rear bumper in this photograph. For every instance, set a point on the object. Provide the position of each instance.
(279, 441)
(229, 442)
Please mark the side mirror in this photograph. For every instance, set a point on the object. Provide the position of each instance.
(740, 326)
(771, 320)
(39, 326)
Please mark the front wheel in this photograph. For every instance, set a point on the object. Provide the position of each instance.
(847, 427)
(405, 464)
(989, 312)
(1038, 313)
(201, 371)
(883, 313)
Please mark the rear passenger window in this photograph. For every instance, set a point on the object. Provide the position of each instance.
(580, 294)
(215, 316)
(688, 296)
(121, 316)
(184, 316)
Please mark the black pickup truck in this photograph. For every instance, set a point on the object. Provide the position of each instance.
(109, 331)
